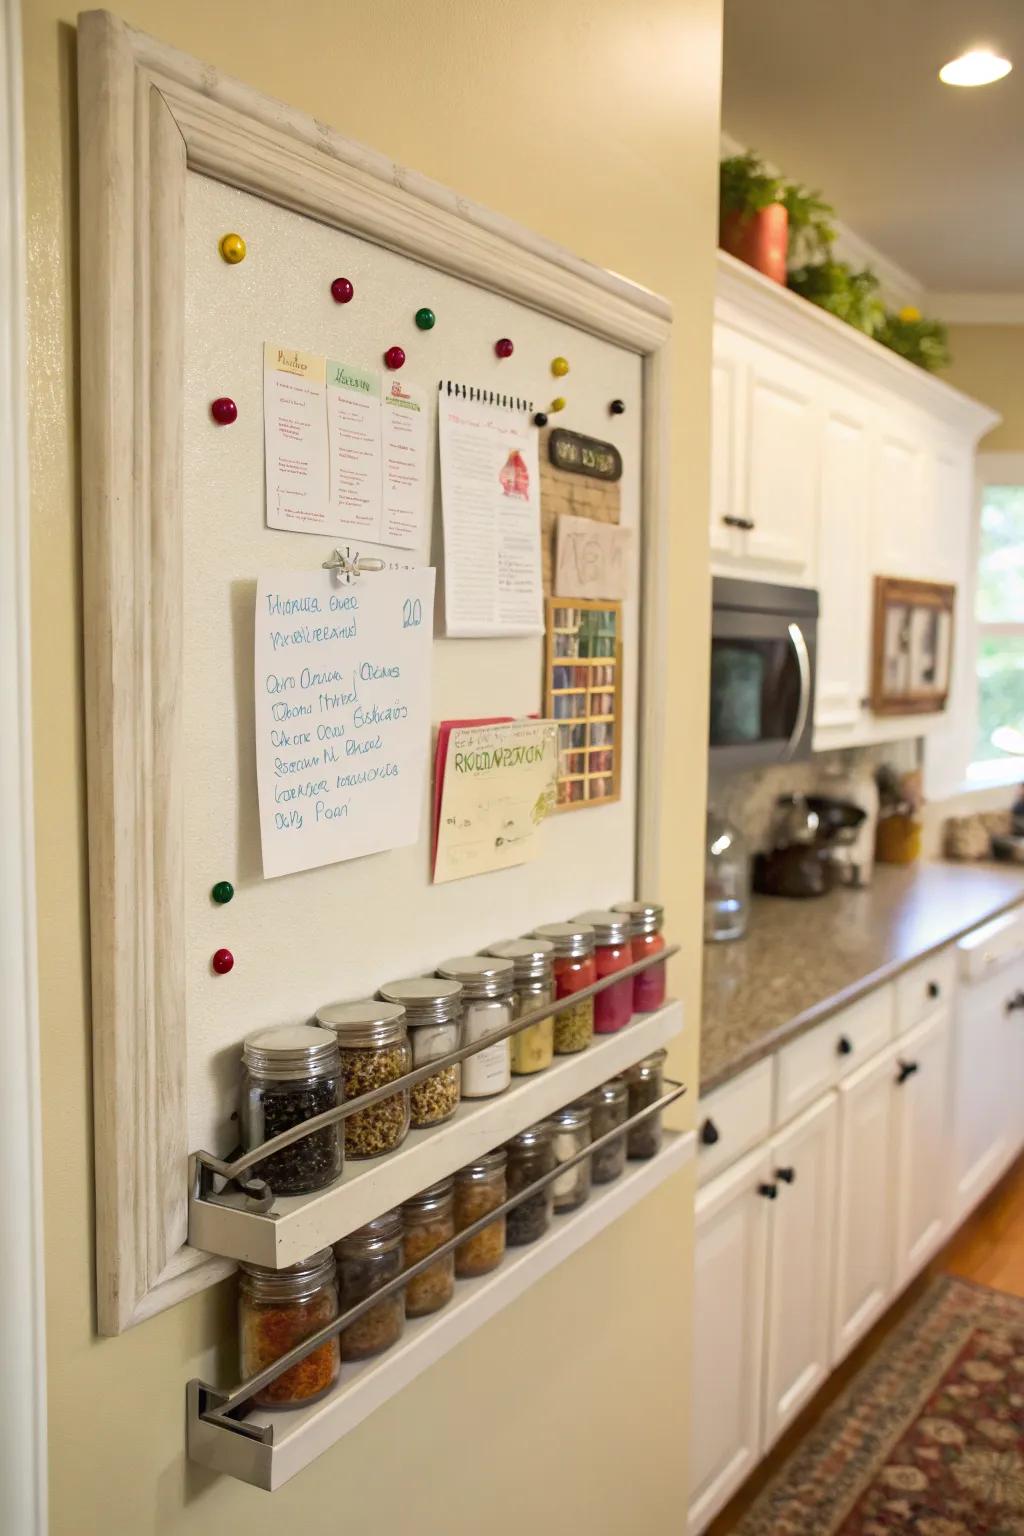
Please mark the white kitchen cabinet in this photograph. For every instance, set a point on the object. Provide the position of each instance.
(865, 1192)
(728, 446)
(798, 1332)
(988, 1073)
(922, 1122)
(728, 1338)
(782, 468)
(844, 562)
(899, 522)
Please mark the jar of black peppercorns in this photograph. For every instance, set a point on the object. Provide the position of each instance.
(291, 1073)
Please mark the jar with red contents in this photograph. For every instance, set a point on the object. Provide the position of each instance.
(613, 1005)
(645, 937)
(573, 968)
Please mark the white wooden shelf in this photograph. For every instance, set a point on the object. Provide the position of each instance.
(299, 1436)
(299, 1225)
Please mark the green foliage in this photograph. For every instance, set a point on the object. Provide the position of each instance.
(746, 186)
(1000, 595)
(1000, 690)
(920, 341)
(849, 295)
(812, 232)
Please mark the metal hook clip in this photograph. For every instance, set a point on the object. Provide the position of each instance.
(348, 565)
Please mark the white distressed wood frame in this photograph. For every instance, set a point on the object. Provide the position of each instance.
(148, 115)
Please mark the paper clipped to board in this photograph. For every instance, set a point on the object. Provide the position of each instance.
(490, 493)
(499, 785)
(592, 559)
(342, 689)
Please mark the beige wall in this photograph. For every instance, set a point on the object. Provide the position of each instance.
(988, 363)
(595, 123)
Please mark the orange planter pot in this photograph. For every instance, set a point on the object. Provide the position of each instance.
(760, 239)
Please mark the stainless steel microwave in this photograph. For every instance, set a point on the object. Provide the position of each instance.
(763, 654)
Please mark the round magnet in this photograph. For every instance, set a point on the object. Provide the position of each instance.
(222, 961)
(426, 319)
(394, 357)
(224, 410)
(559, 367)
(617, 407)
(222, 892)
(342, 290)
(540, 419)
(232, 248)
(503, 347)
(557, 404)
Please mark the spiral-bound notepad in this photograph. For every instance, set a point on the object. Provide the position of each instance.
(490, 497)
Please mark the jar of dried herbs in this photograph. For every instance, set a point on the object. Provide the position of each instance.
(277, 1309)
(480, 1187)
(428, 1220)
(531, 1155)
(571, 1135)
(645, 1083)
(374, 1045)
(291, 1073)
(367, 1259)
(609, 1108)
(433, 1016)
(533, 979)
(488, 1002)
(574, 968)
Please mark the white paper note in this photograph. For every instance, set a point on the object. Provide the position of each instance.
(403, 427)
(592, 559)
(353, 438)
(499, 784)
(295, 439)
(342, 679)
(490, 487)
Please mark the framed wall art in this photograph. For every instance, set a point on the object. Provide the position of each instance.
(913, 646)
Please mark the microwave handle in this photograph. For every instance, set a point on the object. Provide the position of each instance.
(803, 661)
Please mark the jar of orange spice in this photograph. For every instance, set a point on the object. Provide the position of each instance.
(277, 1309)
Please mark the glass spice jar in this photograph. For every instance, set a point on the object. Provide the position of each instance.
(571, 1135)
(480, 1187)
(367, 1259)
(645, 939)
(433, 1016)
(532, 1049)
(374, 1045)
(608, 1107)
(428, 1220)
(291, 1073)
(645, 1082)
(277, 1309)
(531, 1154)
(574, 968)
(488, 1004)
(613, 1005)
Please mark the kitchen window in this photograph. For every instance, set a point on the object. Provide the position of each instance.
(998, 747)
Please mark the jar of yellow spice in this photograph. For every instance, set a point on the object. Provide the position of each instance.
(533, 1048)
(479, 1188)
(428, 1220)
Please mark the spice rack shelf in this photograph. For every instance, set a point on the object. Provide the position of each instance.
(299, 1436)
(299, 1225)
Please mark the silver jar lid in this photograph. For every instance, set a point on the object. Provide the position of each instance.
(609, 927)
(430, 1200)
(483, 1167)
(572, 1117)
(290, 1052)
(380, 1233)
(644, 916)
(367, 1021)
(292, 1283)
(648, 1067)
(575, 940)
(480, 975)
(426, 999)
(613, 1092)
(534, 1136)
(531, 958)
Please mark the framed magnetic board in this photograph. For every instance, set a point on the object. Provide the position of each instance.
(175, 538)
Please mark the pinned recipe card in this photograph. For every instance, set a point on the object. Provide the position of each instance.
(342, 678)
(295, 439)
(499, 785)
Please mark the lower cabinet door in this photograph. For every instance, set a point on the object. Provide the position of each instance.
(798, 1328)
(863, 1281)
(988, 1113)
(728, 1334)
(923, 1116)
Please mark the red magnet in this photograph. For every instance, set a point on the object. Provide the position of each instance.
(222, 961)
(503, 347)
(224, 411)
(342, 290)
(394, 357)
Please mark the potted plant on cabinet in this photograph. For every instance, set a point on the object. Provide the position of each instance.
(753, 219)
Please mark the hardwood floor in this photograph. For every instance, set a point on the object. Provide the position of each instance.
(989, 1249)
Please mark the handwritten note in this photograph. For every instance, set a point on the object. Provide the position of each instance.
(499, 784)
(592, 559)
(295, 439)
(342, 679)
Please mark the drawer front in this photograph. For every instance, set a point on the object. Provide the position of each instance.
(992, 946)
(734, 1118)
(806, 1069)
(927, 987)
(863, 1029)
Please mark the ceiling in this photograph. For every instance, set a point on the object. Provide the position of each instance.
(845, 95)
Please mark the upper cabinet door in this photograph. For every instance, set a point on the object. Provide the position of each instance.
(844, 563)
(900, 539)
(782, 468)
(947, 551)
(728, 446)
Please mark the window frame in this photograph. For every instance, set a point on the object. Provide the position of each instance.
(991, 469)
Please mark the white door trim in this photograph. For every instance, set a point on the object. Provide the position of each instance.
(23, 1378)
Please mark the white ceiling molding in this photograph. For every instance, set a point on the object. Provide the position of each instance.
(976, 308)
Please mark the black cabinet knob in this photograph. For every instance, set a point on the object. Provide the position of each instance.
(1015, 1002)
(844, 1045)
(907, 1069)
(768, 1191)
(709, 1133)
(787, 1175)
(934, 990)
(730, 521)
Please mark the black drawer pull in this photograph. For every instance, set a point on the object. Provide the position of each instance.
(745, 523)
(709, 1133)
(907, 1069)
(934, 990)
(844, 1045)
(787, 1175)
(768, 1191)
(1015, 1002)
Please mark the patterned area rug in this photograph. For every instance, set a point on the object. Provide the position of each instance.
(928, 1439)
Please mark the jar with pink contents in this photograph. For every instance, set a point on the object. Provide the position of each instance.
(645, 922)
(613, 1005)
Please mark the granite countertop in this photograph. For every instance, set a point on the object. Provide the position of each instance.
(803, 960)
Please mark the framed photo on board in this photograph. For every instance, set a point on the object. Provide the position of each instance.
(913, 646)
(583, 695)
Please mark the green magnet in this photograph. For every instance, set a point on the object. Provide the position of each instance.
(426, 319)
(222, 892)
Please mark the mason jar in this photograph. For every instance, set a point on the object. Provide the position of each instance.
(290, 1073)
(480, 1187)
(277, 1309)
(608, 1107)
(574, 968)
(367, 1259)
(533, 1049)
(571, 1135)
(487, 1008)
(646, 919)
(531, 1154)
(433, 1016)
(613, 1005)
(428, 1220)
(374, 1045)
(645, 1082)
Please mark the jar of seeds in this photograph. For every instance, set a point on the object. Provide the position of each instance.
(480, 1187)
(532, 976)
(608, 1107)
(571, 1135)
(291, 1073)
(367, 1260)
(645, 1084)
(433, 1016)
(531, 1154)
(488, 1003)
(574, 968)
(277, 1309)
(428, 1220)
(374, 1045)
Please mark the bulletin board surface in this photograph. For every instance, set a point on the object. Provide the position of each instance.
(341, 930)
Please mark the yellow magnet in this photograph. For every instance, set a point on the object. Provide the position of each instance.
(557, 404)
(559, 367)
(232, 248)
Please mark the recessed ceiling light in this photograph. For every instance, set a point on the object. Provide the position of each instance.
(980, 66)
